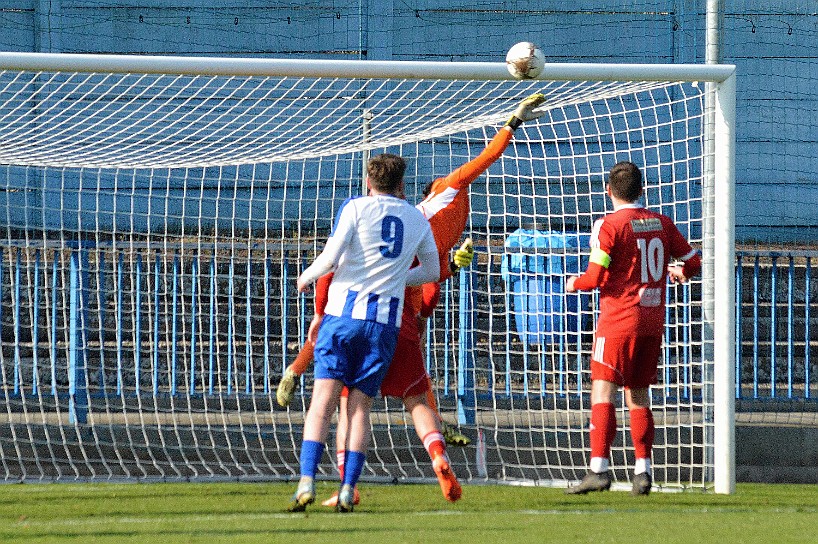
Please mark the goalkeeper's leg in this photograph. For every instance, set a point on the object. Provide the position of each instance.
(451, 434)
(407, 379)
(289, 381)
(426, 424)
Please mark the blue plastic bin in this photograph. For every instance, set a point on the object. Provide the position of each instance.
(535, 267)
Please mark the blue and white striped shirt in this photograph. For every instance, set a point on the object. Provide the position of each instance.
(372, 246)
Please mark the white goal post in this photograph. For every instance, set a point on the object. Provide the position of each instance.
(155, 211)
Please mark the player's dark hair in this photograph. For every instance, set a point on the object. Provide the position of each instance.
(625, 180)
(385, 172)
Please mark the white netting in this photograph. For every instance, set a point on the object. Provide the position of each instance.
(155, 224)
(180, 121)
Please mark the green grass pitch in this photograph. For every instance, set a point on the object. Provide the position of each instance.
(254, 512)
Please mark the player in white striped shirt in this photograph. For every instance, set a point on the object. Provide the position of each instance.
(373, 243)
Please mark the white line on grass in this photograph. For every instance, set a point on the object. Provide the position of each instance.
(210, 518)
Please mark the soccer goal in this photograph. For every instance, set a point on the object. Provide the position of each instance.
(157, 210)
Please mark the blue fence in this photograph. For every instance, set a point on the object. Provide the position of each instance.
(85, 322)
(775, 323)
(775, 348)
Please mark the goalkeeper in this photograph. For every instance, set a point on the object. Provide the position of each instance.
(446, 206)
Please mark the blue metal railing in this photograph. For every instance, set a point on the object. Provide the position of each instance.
(774, 323)
(127, 308)
(128, 322)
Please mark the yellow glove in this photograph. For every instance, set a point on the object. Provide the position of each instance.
(463, 256)
(525, 111)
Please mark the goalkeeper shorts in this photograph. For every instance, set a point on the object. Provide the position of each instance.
(407, 373)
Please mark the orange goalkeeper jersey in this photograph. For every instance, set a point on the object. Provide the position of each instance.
(447, 206)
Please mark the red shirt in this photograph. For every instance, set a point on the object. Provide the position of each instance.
(631, 250)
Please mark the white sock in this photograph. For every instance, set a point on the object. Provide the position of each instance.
(642, 465)
(599, 464)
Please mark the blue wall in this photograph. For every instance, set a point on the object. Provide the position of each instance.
(772, 42)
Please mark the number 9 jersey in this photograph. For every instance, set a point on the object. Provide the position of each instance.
(631, 249)
(380, 236)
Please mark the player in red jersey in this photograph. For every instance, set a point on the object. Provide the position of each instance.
(631, 251)
(446, 206)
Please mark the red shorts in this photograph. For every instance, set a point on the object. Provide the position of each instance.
(406, 376)
(629, 361)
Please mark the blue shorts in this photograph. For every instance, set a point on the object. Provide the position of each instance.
(355, 352)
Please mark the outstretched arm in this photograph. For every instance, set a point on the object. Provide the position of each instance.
(463, 176)
(526, 111)
(447, 204)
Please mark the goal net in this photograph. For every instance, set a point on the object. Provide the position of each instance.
(156, 212)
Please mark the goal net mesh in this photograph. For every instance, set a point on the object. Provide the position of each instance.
(153, 227)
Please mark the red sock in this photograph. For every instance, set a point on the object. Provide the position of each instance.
(603, 429)
(642, 432)
(340, 456)
(434, 444)
(304, 359)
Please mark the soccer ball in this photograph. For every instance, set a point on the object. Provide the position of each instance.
(525, 60)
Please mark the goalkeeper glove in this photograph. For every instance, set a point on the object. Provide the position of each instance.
(525, 111)
(463, 256)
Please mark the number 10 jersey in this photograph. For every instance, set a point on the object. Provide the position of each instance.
(635, 246)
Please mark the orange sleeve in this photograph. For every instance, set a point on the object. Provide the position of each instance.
(448, 211)
(322, 293)
(463, 176)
